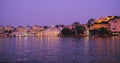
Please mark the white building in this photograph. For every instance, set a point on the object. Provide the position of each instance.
(50, 32)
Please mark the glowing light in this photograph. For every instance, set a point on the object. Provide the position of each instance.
(104, 19)
(19, 35)
(25, 34)
(49, 32)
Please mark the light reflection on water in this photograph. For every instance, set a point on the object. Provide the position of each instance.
(60, 50)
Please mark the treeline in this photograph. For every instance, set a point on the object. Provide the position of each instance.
(79, 30)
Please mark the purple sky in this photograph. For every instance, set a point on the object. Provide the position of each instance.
(48, 12)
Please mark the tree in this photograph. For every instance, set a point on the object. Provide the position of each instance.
(104, 31)
(76, 23)
(101, 32)
(93, 32)
(67, 31)
(45, 27)
(90, 22)
(80, 29)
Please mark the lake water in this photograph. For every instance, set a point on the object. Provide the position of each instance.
(60, 50)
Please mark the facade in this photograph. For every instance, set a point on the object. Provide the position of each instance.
(111, 23)
(20, 31)
(99, 25)
(50, 32)
(1, 29)
(115, 26)
(102, 23)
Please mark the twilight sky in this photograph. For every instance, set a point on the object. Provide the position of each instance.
(48, 12)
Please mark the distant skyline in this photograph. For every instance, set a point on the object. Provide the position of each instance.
(48, 12)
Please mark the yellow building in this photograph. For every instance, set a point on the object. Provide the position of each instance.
(102, 23)
(51, 32)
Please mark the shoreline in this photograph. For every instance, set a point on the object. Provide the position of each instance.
(78, 36)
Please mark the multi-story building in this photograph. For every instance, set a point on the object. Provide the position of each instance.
(20, 31)
(115, 25)
(112, 23)
(50, 32)
(102, 23)
(1, 31)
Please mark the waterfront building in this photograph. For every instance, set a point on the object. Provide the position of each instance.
(20, 31)
(8, 31)
(1, 31)
(102, 23)
(115, 25)
(111, 23)
(50, 32)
